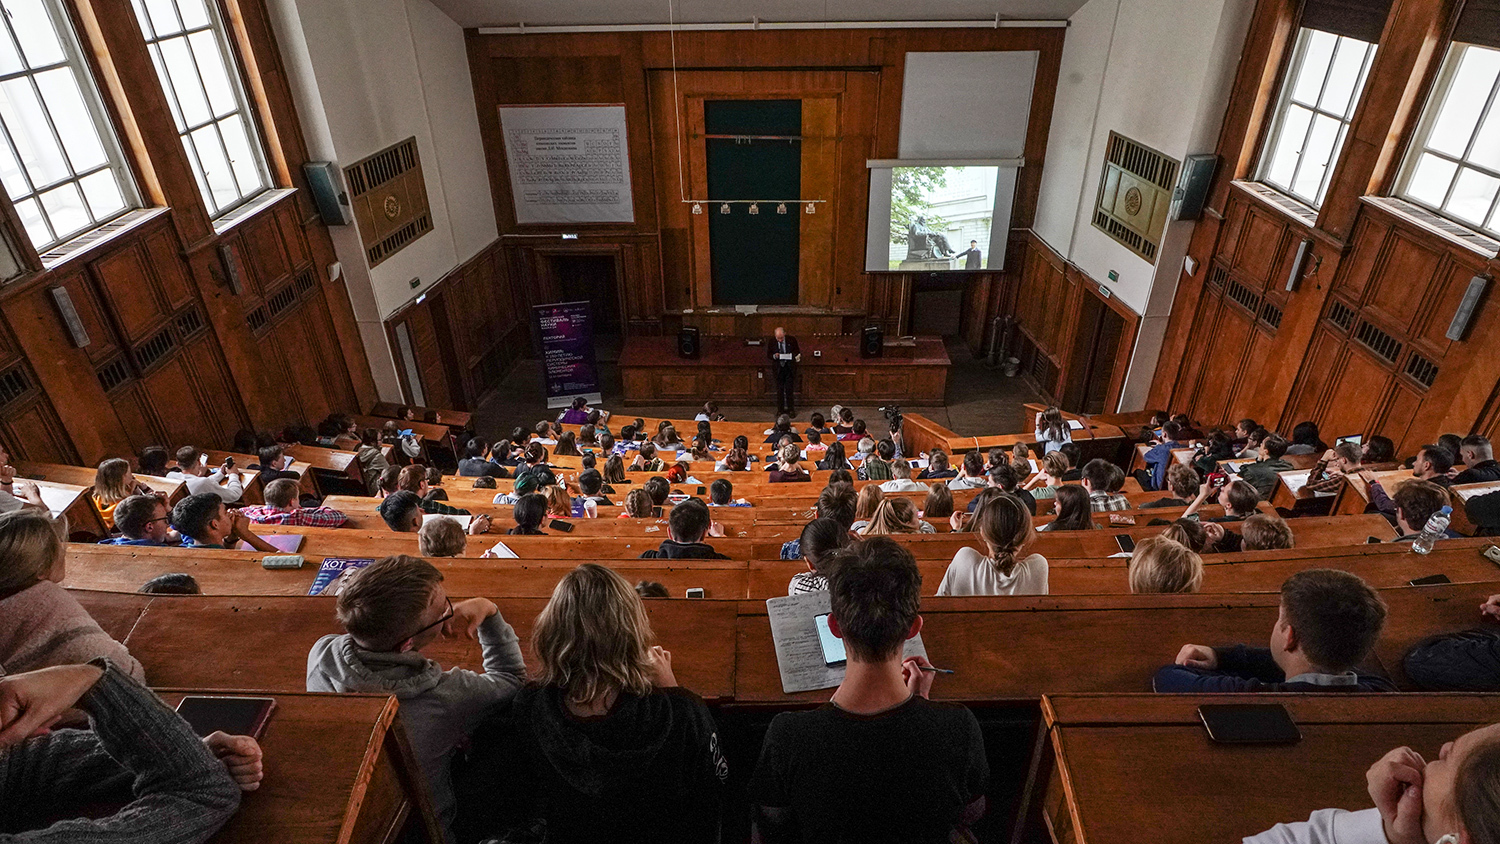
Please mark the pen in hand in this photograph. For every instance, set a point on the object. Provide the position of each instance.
(936, 670)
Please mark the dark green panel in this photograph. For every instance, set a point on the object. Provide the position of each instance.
(754, 257)
(753, 117)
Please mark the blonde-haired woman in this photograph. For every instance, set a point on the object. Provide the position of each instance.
(865, 504)
(1160, 565)
(619, 752)
(637, 505)
(789, 466)
(1004, 525)
(896, 514)
(113, 483)
(44, 625)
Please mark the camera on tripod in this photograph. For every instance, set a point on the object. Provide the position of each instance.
(892, 415)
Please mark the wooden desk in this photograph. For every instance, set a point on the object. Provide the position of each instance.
(439, 435)
(458, 420)
(339, 769)
(74, 502)
(1092, 798)
(84, 476)
(730, 371)
(1460, 495)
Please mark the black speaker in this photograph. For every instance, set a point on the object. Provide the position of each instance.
(688, 343)
(872, 342)
(1191, 193)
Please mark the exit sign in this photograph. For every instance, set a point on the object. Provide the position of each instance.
(1114, 276)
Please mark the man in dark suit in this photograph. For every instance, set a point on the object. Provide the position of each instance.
(972, 256)
(784, 359)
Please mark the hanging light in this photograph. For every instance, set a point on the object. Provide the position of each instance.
(781, 208)
(754, 208)
(812, 208)
(724, 208)
(697, 208)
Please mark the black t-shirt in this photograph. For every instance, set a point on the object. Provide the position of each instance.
(904, 775)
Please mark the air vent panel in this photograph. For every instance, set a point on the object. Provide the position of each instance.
(1421, 370)
(114, 374)
(14, 383)
(1341, 315)
(154, 349)
(1217, 274)
(1135, 192)
(389, 197)
(1270, 315)
(1378, 341)
(1243, 296)
(189, 322)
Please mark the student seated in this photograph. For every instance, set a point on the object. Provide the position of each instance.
(43, 624)
(525, 484)
(1103, 481)
(529, 514)
(225, 481)
(372, 459)
(402, 513)
(721, 494)
(1159, 457)
(865, 503)
(646, 459)
(1328, 623)
(709, 413)
(1240, 501)
(820, 541)
(688, 523)
(1432, 464)
(474, 463)
(414, 479)
(534, 462)
(1073, 510)
(638, 505)
(939, 503)
(1052, 431)
(1328, 474)
(1416, 502)
(204, 522)
(281, 508)
(153, 461)
(171, 584)
(659, 489)
(1004, 525)
(651, 589)
(273, 464)
(834, 458)
(441, 537)
(1263, 473)
(391, 610)
(1450, 800)
(972, 473)
(879, 762)
(1305, 440)
(591, 489)
(877, 466)
(837, 503)
(845, 424)
(818, 424)
(1479, 461)
(782, 428)
(937, 467)
(1182, 481)
(789, 467)
(896, 515)
(143, 520)
(113, 483)
(610, 747)
(174, 786)
(1263, 532)
(1160, 565)
(901, 479)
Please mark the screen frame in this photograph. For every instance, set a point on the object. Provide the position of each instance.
(878, 209)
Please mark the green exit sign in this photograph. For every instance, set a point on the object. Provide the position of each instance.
(415, 283)
(1114, 276)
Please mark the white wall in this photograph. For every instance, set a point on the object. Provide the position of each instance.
(365, 76)
(1158, 72)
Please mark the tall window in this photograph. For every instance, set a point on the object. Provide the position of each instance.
(59, 161)
(1317, 102)
(1453, 167)
(201, 80)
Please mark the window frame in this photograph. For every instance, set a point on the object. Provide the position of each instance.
(100, 110)
(248, 108)
(1432, 108)
(1282, 108)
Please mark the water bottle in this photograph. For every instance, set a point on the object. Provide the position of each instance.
(1433, 531)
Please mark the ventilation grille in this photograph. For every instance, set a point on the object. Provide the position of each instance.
(1464, 234)
(1144, 162)
(189, 322)
(1243, 296)
(154, 349)
(393, 242)
(1377, 341)
(67, 249)
(257, 319)
(281, 300)
(1341, 315)
(14, 383)
(1270, 315)
(381, 167)
(1217, 274)
(304, 282)
(1303, 212)
(113, 374)
(1421, 370)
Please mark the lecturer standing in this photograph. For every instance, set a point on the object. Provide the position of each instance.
(784, 359)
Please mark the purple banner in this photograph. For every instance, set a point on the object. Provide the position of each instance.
(566, 331)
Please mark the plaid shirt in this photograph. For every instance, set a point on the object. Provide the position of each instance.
(440, 508)
(300, 517)
(1104, 501)
(1321, 480)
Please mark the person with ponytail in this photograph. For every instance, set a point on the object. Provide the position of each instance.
(1004, 525)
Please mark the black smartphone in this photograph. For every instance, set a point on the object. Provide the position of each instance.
(608, 490)
(703, 490)
(558, 524)
(1126, 543)
(1372, 540)
(237, 716)
(1249, 723)
(1430, 580)
(656, 512)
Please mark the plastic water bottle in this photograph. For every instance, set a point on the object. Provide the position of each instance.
(1433, 531)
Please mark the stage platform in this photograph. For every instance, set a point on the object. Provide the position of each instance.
(730, 372)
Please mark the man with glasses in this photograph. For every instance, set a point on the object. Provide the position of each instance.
(392, 609)
(143, 520)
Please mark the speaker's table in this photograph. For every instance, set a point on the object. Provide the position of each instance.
(728, 371)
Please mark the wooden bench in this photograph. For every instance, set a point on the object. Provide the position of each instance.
(84, 476)
(458, 420)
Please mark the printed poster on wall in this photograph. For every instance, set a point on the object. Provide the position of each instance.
(568, 164)
(566, 331)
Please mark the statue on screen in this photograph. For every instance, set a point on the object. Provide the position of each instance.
(924, 244)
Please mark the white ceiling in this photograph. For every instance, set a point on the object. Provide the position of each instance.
(470, 13)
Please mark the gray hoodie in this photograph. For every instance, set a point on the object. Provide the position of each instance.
(439, 709)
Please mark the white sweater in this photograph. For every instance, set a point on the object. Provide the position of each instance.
(1327, 826)
(971, 573)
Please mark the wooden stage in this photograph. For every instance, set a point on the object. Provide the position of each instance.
(730, 372)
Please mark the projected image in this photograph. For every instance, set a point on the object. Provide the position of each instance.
(941, 217)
